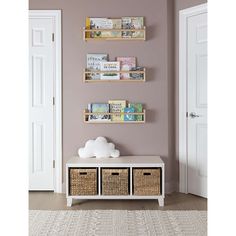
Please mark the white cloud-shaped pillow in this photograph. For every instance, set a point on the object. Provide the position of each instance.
(99, 148)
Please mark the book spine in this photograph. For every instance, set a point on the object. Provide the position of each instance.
(89, 110)
(89, 107)
(87, 25)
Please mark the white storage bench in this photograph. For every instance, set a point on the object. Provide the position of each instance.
(125, 177)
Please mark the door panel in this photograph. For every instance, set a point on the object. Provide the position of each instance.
(201, 81)
(41, 74)
(197, 104)
(38, 80)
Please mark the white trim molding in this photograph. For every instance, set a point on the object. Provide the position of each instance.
(183, 154)
(56, 16)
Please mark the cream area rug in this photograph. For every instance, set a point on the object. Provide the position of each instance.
(118, 223)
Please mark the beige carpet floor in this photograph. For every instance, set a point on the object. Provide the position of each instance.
(117, 223)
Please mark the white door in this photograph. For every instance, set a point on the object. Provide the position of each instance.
(197, 104)
(41, 74)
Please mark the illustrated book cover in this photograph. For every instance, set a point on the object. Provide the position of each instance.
(137, 76)
(112, 66)
(126, 64)
(117, 106)
(132, 23)
(126, 24)
(138, 107)
(137, 23)
(129, 117)
(99, 107)
(93, 63)
(100, 23)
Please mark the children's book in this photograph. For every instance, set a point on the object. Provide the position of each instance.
(126, 64)
(137, 76)
(126, 24)
(93, 64)
(138, 107)
(117, 106)
(128, 117)
(132, 23)
(112, 66)
(99, 107)
(100, 23)
(137, 23)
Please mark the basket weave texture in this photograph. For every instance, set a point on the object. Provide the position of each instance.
(146, 181)
(115, 181)
(83, 181)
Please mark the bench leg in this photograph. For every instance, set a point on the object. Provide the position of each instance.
(161, 202)
(69, 201)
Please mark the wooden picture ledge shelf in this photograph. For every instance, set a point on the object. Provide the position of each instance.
(87, 72)
(85, 31)
(87, 114)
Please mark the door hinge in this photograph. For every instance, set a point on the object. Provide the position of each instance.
(52, 37)
(53, 101)
(187, 114)
(53, 164)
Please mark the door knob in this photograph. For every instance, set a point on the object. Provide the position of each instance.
(193, 115)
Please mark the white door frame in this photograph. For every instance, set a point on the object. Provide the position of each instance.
(183, 155)
(56, 16)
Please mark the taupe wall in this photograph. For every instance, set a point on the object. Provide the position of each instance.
(155, 137)
(179, 5)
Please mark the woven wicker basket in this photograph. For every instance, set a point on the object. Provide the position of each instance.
(115, 181)
(146, 181)
(83, 181)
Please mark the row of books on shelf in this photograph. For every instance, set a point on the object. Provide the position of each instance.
(99, 62)
(115, 106)
(118, 23)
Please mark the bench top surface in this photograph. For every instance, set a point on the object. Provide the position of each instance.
(122, 160)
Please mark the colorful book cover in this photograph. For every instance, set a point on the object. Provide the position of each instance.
(137, 76)
(100, 23)
(99, 107)
(117, 106)
(128, 117)
(112, 66)
(138, 107)
(93, 63)
(137, 23)
(126, 24)
(126, 64)
(132, 23)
